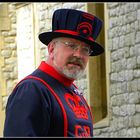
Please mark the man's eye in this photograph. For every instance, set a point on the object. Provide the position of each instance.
(85, 49)
(71, 45)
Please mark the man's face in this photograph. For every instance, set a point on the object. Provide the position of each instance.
(70, 57)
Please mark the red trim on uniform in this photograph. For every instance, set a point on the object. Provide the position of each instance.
(57, 98)
(52, 72)
(72, 33)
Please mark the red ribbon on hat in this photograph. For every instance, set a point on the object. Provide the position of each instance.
(71, 32)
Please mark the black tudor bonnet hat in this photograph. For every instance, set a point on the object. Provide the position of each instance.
(75, 24)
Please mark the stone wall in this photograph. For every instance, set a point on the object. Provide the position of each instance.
(124, 45)
(8, 54)
(25, 40)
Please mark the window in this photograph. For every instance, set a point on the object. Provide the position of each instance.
(98, 70)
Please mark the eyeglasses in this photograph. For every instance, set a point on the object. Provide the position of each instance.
(73, 46)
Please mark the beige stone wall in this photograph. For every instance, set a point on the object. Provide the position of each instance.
(2, 117)
(8, 58)
(124, 46)
(25, 41)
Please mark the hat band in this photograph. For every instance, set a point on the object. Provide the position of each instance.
(72, 33)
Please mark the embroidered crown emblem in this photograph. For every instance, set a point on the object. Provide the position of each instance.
(77, 106)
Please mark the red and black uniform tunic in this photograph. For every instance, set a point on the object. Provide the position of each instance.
(45, 104)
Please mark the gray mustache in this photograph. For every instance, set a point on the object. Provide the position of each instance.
(76, 60)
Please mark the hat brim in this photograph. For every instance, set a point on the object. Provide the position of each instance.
(47, 37)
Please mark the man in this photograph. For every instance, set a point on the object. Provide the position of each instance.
(47, 103)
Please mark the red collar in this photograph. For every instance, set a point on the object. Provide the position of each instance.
(52, 72)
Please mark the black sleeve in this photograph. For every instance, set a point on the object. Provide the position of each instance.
(27, 114)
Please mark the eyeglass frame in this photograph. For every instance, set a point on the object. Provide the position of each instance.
(74, 47)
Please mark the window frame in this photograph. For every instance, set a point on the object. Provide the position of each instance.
(98, 72)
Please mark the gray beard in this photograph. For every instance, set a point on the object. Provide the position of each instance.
(67, 72)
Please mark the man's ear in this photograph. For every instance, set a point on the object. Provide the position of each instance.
(51, 47)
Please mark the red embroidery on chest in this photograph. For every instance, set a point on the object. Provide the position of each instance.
(77, 106)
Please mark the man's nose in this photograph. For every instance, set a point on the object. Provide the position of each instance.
(77, 52)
